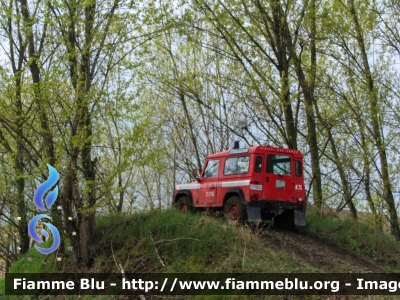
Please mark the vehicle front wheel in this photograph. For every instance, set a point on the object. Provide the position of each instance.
(235, 211)
(183, 204)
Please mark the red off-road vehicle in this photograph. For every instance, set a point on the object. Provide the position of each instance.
(255, 184)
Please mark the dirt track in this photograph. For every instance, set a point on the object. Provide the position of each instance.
(319, 252)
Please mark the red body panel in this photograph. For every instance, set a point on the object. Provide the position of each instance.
(272, 174)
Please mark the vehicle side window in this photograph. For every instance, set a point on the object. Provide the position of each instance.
(237, 165)
(299, 168)
(258, 164)
(278, 164)
(211, 169)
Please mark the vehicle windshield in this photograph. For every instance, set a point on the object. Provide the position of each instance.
(211, 169)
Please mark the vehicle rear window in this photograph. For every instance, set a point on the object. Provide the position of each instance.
(258, 164)
(278, 164)
(299, 168)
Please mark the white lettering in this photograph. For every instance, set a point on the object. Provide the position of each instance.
(85, 284)
(17, 282)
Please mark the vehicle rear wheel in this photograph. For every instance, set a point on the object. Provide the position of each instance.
(285, 220)
(183, 204)
(235, 211)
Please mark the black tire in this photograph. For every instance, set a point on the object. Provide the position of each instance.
(285, 220)
(235, 211)
(183, 204)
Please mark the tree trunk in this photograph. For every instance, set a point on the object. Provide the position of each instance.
(376, 127)
(308, 86)
(19, 169)
(345, 184)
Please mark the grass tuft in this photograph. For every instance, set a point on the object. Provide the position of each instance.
(357, 235)
(171, 241)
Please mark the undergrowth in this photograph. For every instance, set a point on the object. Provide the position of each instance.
(170, 242)
(357, 235)
(174, 242)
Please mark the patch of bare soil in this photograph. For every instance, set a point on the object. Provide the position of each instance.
(319, 252)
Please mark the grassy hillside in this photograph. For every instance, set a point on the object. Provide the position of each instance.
(358, 236)
(170, 241)
(184, 243)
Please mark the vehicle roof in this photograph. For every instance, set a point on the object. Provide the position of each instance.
(258, 150)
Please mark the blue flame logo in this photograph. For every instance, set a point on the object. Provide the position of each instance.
(49, 201)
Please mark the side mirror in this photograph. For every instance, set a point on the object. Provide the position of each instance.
(196, 174)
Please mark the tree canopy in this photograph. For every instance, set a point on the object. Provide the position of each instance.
(125, 98)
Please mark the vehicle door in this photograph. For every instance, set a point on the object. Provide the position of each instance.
(278, 183)
(298, 181)
(209, 183)
(256, 185)
(236, 175)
